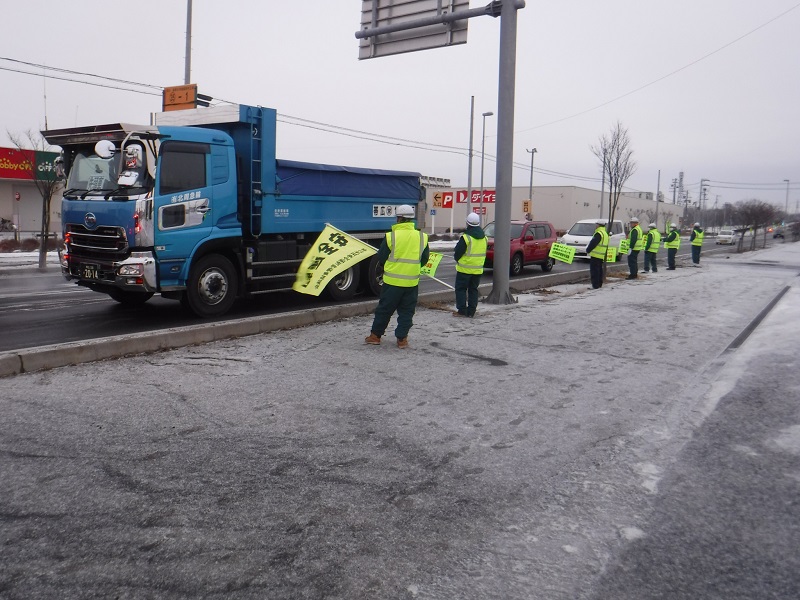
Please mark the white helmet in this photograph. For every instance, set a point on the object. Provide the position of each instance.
(652, 225)
(673, 226)
(697, 224)
(473, 219)
(404, 210)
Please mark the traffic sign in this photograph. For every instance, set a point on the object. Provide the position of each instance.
(447, 199)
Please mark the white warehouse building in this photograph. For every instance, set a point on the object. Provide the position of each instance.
(561, 205)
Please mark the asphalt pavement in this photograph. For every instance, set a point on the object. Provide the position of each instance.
(637, 441)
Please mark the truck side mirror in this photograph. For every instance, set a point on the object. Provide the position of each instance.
(105, 149)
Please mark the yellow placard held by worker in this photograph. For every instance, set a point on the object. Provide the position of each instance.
(333, 252)
(429, 268)
(611, 254)
(624, 246)
(562, 252)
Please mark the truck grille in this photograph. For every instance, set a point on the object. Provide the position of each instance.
(103, 243)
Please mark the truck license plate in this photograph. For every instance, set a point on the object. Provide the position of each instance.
(89, 271)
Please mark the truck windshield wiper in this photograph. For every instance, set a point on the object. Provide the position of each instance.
(71, 191)
(125, 189)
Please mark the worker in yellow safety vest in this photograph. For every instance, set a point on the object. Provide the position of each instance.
(470, 255)
(651, 248)
(635, 245)
(697, 243)
(403, 252)
(597, 250)
(672, 243)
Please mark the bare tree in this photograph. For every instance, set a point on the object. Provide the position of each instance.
(754, 214)
(45, 178)
(614, 152)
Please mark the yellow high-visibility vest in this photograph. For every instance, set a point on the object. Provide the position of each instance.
(601, 248)
(639, 245)
(406, 246)
(656, 240)
(698, 238)
(471, 262)
(676, 243)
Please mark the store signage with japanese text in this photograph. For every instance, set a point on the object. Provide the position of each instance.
(22, 164)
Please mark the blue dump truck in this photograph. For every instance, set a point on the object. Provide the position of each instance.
(196, 207)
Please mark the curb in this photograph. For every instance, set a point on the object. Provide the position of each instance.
(28, 360)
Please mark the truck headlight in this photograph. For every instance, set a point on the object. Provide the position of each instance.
(132, 270)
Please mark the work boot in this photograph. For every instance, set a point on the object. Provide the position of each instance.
(373, 339)
(631, 277)
(458, 314)
(402, 342)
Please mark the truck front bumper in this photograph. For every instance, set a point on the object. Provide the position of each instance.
(137, 273)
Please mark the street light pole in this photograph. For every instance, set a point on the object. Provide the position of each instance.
(786, 209)
(483, 154)
(469, 167)
(530, 185)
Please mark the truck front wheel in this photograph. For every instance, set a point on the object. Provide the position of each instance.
(211, 290)
(345, 284)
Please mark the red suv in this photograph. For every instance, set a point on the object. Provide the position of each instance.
(530, 245)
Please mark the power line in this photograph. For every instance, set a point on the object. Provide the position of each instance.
(103, 85)
(373, 137)
(71, 72)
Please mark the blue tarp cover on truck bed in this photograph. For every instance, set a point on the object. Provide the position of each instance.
(312, 179)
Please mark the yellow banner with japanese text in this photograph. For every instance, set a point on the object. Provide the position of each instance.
(333, 252)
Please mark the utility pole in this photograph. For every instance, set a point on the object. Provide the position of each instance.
(187, 73)
(501, 293)
(701, 203)
(530, 185)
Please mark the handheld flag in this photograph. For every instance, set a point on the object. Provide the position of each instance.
(333, 252)
(429, 269)
(562, 252)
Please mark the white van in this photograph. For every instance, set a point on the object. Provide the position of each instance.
(580, 234)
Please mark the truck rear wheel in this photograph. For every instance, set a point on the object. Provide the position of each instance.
(373, 275)
(211, 290)
(345, 284)
(130, 298)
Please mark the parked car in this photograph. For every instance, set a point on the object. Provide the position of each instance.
(530, 245)
(778, 233)
(726, 236)
(580, 234)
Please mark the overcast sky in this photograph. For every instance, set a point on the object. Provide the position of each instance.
(708, 88)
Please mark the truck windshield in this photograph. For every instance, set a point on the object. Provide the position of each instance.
(91, 173)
